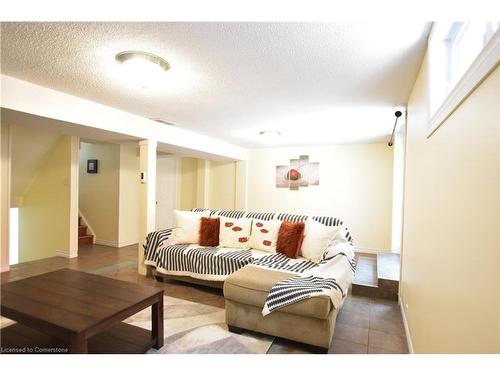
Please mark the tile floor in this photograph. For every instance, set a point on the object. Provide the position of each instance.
(364, 325)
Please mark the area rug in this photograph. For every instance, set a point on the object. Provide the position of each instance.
(195, 328)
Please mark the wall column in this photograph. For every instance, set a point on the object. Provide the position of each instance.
(147, 196)
(241, 201)
(202, 185)
(4, 196)
(73, 196)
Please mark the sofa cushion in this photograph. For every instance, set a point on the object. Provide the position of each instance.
(187, 226)
(317, 237)
(250, 285)
(290, 239)
(264, 234)
(325, 220)
(234, 233)
(209, 231)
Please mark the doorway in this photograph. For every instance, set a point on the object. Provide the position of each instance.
(166, 191)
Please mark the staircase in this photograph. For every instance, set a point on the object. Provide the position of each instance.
(84, 239)
(377, 275)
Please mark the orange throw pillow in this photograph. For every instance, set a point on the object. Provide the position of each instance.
(290, 238)
(209, 231)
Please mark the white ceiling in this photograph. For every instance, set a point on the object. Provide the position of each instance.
(315, 83)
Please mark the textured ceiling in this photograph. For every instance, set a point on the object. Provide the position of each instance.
(315, 83)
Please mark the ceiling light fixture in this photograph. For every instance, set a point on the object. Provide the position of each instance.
(269, 136)
(269, 132)
(143, 68)
(161, 121)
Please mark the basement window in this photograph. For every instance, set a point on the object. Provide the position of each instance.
(14, 236)
(461, 55)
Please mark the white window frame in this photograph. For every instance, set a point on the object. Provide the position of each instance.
(482, 66)
(13, 235)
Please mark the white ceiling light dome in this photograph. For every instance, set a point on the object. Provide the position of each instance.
(143, 69)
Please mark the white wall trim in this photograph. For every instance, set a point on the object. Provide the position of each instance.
(105, 242)
(127, 243)
(65, 254)
(482, 66)
(407, 328)
(370, 251)
(73, 196)
(115, 243)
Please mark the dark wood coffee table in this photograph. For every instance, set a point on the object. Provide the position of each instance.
(78, 312)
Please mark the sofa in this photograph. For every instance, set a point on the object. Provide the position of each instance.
(246, 284)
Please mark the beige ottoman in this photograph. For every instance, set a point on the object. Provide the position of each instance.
(311, 321)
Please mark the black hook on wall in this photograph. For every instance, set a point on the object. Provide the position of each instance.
(398, 115)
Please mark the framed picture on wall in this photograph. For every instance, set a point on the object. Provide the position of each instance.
(299, 173)
(92, 165)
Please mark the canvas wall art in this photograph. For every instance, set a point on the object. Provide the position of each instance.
(299, 173)
(281, 173)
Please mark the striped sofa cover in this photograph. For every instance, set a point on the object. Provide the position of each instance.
(214, 264)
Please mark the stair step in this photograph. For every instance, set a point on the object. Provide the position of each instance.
(388, 266)
(377, 275)
(82, 230)
(366, 270)
(85, 240)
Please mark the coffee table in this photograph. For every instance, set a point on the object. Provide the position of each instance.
(78, 312)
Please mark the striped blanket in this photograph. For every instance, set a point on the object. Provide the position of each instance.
(207, 263)
(331, 277)
(216, 264)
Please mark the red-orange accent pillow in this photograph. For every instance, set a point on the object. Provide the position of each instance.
(290, 238)
(209, 231)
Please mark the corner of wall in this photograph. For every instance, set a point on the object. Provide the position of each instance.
(4, 195)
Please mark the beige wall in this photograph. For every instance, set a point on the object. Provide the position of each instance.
(109, 199)
(398, 185)
(202, 183)
(44, 216)
(222, 185)
(29, 149)
(188, 183)
(450, 254)
(129, 195)
(99, 192)
(4, 196)
(355, 185)
(240, 199)
(206, 183)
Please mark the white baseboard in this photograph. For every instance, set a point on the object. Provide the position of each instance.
(407, 328)
(127, 243)
(4, 268)
(114, 243)
(65, 254)
(370, 251)
(105, 242)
